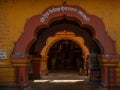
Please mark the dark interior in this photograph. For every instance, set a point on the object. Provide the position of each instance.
(65, 55)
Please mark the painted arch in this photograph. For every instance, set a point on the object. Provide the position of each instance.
(63, 35)
(50, 14)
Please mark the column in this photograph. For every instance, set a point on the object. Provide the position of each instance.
(44, 70)
(36, 67)
(21, 70)
(108, 69)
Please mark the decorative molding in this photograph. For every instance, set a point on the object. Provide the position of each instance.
(24, 62)
(109, 60)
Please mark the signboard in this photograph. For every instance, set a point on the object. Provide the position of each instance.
(3, 54)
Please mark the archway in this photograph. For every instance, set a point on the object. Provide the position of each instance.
(63, 36)
(54, 45)
(88, 24)
(56, 13)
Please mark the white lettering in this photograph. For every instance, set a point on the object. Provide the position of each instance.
(53, 10)
(63, 8)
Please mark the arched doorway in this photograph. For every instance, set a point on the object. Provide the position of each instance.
(66, 51)
(61, 46)
(54, 19)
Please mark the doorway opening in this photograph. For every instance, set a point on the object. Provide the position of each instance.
(65, 56)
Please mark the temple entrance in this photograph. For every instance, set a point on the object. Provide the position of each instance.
(40, 38)
(65, 56)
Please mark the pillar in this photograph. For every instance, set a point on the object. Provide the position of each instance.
(21, 75)
(21, 70)
(36, 67)
(108, 69)
(44, 70)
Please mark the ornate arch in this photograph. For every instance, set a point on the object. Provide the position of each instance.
(54, 12)
(108, 59)
(64, 35)
(59, 36)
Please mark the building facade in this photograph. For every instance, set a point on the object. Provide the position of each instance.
(42, 36)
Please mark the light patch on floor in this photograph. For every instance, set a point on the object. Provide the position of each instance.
(35, 81)
(59, 81)
(68, 81)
